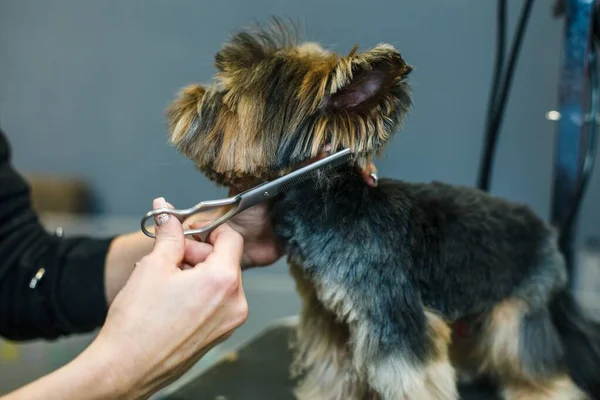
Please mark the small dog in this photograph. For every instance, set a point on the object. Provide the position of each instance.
(405, 286)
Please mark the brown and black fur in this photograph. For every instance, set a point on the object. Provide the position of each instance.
(385, 272)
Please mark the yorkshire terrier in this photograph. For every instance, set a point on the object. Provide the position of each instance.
(405, 286)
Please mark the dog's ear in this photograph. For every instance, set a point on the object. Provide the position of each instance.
(360, 81)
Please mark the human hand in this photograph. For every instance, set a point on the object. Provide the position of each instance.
(181, 300)
(261, 247)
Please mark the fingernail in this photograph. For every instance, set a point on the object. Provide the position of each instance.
(374, 177)
(160, 219)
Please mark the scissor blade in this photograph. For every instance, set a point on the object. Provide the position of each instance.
(282, 184)
(255, 195)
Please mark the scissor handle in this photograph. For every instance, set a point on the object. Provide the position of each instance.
(182, 215)
(203, 232)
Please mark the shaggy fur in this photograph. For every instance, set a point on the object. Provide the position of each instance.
(385, 272)
(275, 105)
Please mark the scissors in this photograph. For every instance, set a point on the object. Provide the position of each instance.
(250, 197)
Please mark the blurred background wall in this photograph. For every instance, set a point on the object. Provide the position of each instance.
(84, 85)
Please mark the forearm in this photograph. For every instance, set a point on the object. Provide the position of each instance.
(124, 252)
(89, 376)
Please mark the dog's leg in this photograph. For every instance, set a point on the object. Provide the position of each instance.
(518, 345)
(398, 374)
(461, 352)
(396, 346)
(322, 358)
(440, 380)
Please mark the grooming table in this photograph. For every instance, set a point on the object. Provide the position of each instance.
(260, 370)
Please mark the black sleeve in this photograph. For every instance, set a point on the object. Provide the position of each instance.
(69, 296)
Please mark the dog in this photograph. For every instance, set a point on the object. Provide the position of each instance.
(405, 287)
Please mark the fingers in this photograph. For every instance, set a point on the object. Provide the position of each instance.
(170, 242)
(228, 244)
(224, 250)
(196, 252)
(227, 248)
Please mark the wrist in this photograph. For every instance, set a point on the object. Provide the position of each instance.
(91, 376)
(102, 366)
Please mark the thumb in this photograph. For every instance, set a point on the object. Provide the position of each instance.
(170, 242)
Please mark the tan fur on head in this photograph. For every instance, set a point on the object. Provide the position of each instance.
(276, 103)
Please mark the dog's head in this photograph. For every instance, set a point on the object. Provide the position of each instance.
(277, 104)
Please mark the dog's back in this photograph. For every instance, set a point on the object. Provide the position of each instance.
(463, 248)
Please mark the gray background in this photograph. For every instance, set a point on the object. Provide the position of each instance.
(84, 85)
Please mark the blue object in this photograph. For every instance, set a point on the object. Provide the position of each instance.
(575, 139)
